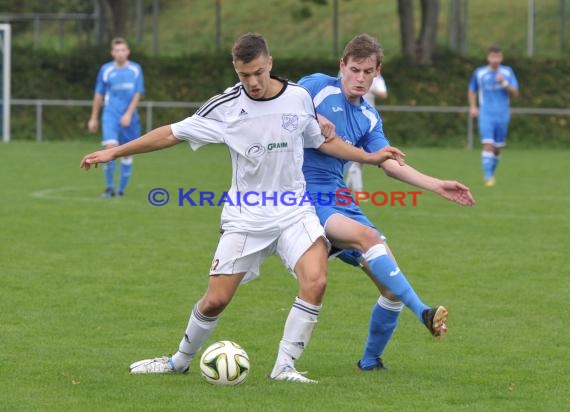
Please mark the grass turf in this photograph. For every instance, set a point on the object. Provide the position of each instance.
(89, 286)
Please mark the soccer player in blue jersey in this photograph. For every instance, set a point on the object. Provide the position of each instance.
(492, 86)
(339, 103)
(119, 86)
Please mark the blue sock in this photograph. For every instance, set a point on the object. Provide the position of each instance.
(496, 160)
(487, 160)
(109, 169)
(389, 275)
(383, 322)
(126, 169)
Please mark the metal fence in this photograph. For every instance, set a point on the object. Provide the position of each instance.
(149, 106)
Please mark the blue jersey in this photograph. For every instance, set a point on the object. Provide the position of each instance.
(493, 97)
(119, 85)
(357, 124)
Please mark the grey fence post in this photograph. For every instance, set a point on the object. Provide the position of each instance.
(39, 121)
(148, 116)
(469, 132)
(36, 32)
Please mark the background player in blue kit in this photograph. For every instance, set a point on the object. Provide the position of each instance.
(339, 103)
(119, 87)
(492, 86)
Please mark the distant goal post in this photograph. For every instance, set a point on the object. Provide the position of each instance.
(5, 74)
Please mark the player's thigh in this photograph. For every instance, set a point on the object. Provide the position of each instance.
(352, 232)
(131, 132)
(296, 239)
(111, 130)
(486, 130)
(501, 130)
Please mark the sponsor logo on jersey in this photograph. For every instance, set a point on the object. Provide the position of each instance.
(123, 86)
(290, 122)
(276, 146)
(243, 112)
(337, 109)
(255, 150)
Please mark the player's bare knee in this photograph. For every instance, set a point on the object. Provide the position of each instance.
(368, 238)
(213, 305)
(313, 285)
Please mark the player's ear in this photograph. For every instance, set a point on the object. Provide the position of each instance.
(269, 63)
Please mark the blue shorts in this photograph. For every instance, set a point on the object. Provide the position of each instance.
(114, 133)
(493, 130)
(352, 211)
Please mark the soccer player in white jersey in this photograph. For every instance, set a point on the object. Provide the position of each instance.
(492, 86)
(339, 101)
(265, 122)
(119, 87)
(354, 171)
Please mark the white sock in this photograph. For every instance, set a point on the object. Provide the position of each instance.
(199, 329)
(299, 326)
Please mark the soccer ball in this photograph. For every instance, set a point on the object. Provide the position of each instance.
(224, 363)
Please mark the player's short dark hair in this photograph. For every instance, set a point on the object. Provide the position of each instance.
(362, 47)
(249, 47)
(119, 40)
(494, 49)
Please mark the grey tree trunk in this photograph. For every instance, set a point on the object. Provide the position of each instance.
(407, 29)
(418, 51)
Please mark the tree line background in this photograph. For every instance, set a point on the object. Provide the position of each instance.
(411, 28)
(193, 62)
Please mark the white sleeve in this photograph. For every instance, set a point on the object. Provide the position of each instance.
(378, 85)
(312, 136)
(199, 131)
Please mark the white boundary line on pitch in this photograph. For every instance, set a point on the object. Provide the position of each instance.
(59, 194)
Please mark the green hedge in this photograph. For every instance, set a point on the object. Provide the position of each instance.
(49, 75)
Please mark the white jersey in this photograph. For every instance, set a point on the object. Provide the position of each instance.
(266, 138)
(378, 86)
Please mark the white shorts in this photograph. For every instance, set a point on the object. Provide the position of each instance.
(240, 252)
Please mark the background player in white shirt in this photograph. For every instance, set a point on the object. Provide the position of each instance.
(266, 122)
(354, 172)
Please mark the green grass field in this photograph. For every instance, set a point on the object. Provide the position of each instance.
(89, 286)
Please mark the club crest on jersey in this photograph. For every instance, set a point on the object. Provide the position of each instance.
(290, 122)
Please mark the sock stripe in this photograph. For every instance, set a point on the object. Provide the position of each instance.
(375, 251)
(388, 304)
(304, 308)
(202, 318)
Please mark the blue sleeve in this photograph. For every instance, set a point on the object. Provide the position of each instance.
(99, 83)
(473, 85)
(139, 85)
(313, 83)
(375, 139)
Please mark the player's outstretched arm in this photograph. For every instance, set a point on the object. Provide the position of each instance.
(339, 148)
(455, 192)
(448, 189)
(159, 138)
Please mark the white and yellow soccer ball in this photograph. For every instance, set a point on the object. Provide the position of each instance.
(224, 363)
